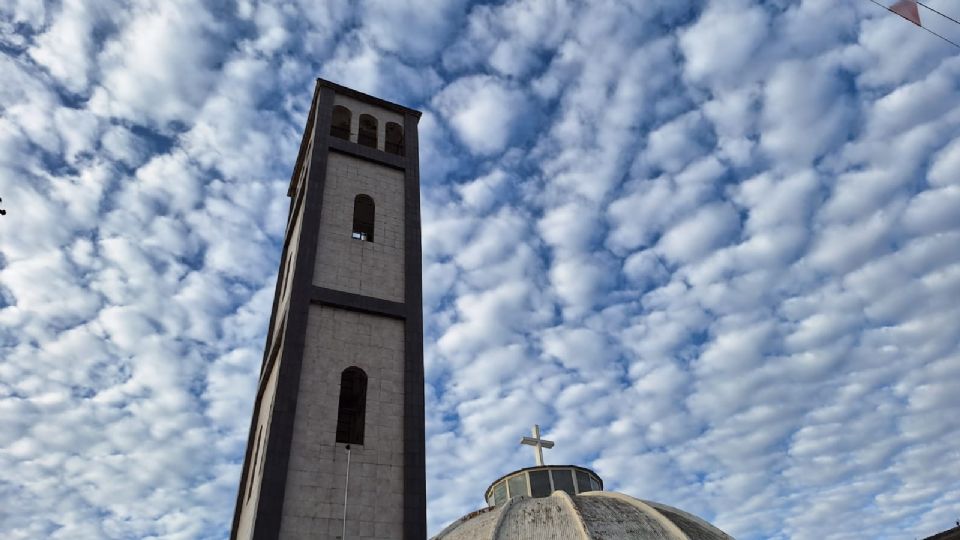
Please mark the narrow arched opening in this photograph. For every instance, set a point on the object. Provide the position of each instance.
(393, 139)
(353, 406)
(363, 217)
(367, 136)
(340, 123)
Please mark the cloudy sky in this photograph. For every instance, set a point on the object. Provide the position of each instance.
(711, 246)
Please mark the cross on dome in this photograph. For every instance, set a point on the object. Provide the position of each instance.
(538, 443)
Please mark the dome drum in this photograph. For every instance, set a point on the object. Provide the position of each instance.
(568, 502)
(541, 481)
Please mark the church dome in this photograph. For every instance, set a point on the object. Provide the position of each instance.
(595, 515)
(567, 502)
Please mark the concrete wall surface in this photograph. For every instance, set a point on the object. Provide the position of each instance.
(344, 263)
(314, 497)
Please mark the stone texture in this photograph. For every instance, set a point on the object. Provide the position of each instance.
(548, 519)
(483, 523)
(344, 263)
(313, 503)
(632, 522)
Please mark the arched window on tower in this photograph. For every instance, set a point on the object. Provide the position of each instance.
(363, 213)
(393, 141)
(367, 136)
(340, 124)
(353, 406)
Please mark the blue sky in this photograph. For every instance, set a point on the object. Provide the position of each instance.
(711, 247)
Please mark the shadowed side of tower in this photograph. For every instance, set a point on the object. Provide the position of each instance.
(338, 423)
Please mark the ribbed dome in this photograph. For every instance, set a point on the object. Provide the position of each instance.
(596, 515)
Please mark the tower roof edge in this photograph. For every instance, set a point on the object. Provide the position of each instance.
(356, 94)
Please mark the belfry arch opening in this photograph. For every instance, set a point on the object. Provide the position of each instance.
(353, 406)
(340, 123)
(364, 211)
(393, 139)
(367, 134)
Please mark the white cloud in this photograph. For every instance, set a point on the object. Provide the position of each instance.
(734, 121)
(723, 40)
(66, 49)
(772, 202)
(60, 299)
(946, 161)
(80, 196)
(484, 112)
(578, 348)
(805, 98)
(709, 228)
(170, 182)
(843, 247)
(496, 312)
(569, 227)
(894, 53)
(644, 267)
(24, 12)
(160, 67)
(933, 211)
(674, 145)
(416, 29)
(648, 207)
(606, 98)
(496, 238)
(913, 104)
(358, 61)
(482, 193)
(122, 145)
(510, 37)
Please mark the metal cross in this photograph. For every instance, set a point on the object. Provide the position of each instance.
(538, 443)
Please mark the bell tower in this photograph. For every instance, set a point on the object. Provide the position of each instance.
(336, 444)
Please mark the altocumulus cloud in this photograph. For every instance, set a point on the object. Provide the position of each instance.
(712, 247)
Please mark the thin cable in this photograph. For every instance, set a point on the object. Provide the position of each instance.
(938, 12)
(955, 44)
(346, 487)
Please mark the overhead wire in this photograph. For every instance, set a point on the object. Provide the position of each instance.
(954, 43)
(944, 15)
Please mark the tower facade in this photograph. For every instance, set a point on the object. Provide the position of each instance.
(336, 444)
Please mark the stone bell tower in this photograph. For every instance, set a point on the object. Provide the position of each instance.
(336, 444)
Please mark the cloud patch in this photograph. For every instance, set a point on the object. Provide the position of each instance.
(485, 112)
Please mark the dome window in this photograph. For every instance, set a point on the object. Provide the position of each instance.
(517, 485)
(540, 484)
(583, 481)
(563, 480)
(500, 494)
(594, 484)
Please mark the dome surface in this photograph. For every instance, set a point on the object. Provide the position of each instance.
(595, 515)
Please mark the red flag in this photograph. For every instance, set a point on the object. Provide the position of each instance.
(908, 10)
